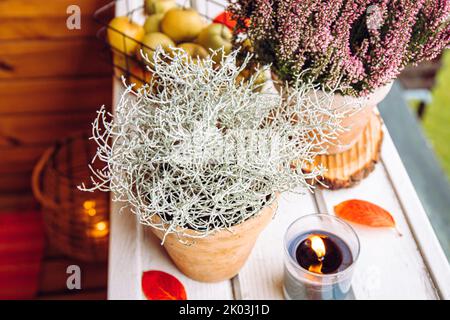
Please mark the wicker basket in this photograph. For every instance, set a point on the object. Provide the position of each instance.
(77, 223)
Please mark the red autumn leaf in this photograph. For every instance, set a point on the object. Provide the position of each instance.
(364, 212)
(159, 285)
(226, 19)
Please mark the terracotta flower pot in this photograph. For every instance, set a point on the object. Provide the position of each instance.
(355, 122)
(221, 255)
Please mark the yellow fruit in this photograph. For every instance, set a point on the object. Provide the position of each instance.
(152, 23)
(182, 25)
(216, 36)
(158, 6)
(155, 39)
(139, 76)
(194, 50)
(124, 35)
(120, 65)
(134, 71)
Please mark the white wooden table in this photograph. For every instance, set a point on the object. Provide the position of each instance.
(390, 267)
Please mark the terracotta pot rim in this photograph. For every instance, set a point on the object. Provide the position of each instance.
(193, 235)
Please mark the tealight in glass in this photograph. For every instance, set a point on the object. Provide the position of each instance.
(320, 254)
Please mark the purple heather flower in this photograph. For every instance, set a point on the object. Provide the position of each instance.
(363, 44)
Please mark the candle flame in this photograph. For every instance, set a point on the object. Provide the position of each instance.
(318, 246)
(316, 268)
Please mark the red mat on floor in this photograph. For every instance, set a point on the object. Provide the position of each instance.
(21, 252)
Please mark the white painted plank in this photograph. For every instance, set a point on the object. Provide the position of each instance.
(134, 249)
(154, 257)
(389, 266)
(428, 243)
(262, 275)
(123, 268)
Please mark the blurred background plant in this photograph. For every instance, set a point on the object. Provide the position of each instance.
(437, 118)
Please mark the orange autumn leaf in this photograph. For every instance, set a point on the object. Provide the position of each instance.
(365, 213)
(159, 285)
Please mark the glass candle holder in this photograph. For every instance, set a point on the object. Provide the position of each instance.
(334, 244)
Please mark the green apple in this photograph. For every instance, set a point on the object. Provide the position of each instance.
(154, 40)
(158, 6)
(195, 51)
(216, 36)
(124, 35)
(152, 23)
(182, 25)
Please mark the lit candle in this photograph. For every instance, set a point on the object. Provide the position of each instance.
(320, 254)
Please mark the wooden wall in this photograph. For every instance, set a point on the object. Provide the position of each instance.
(51, 82)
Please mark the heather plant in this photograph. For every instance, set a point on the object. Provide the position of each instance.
(361, 44)
(198, 150)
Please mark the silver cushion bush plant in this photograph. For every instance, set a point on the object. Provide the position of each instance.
(197, 150)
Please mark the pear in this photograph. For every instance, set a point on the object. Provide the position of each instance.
(152, 23)
(216, 36)
(182, 25)
(155, 39)
(158, 6)
(195, 51)
(124, 35)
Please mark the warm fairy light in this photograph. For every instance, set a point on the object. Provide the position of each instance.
(89, 207)
(100, 229)
(89, 204)
(318, 246)
(100, 226)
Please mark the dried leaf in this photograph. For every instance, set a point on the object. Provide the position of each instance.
(365, 213)
(159, 285)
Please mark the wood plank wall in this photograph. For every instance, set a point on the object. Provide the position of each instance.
(52, 80)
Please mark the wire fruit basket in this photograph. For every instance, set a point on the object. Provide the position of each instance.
(131, 66)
